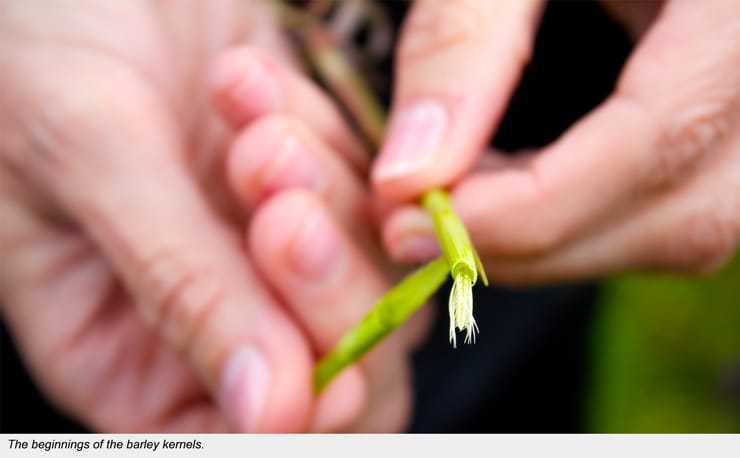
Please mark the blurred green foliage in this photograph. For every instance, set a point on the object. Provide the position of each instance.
(666, 354)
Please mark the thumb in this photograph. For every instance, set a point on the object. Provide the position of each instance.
(456, 67)
(183, 265)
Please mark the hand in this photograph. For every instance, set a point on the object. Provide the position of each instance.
(124, 279)
(648, 180)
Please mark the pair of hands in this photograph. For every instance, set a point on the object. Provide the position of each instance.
(126, 278)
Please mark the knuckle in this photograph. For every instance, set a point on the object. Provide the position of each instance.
(33, 146)
(528, 239)
(539, 240)
(707, 240)
(687, 139)
(523, 226)
(436, 26)
(547, 233)
(58, 135)
(182, 293)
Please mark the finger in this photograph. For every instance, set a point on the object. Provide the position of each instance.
(650, 135)
(247, 84)
(456, 68)
(330, 286)
(694, 229)
(278, 152)
(341, 403)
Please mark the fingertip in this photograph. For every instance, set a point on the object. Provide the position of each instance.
(265, 382)
(290, 398)
(247, 156)
(265, 373)
(443, 171)
(245, 382)
(277, 223)
(341, 403)
(244, 85)
(300, 246)
(269, 156)
(408, 235)
(411, 160)
(406, 189)
(228, 70)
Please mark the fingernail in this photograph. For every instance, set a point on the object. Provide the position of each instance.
(317, 253)
(246, 377)
(413, 138)
(293, 166)
(416, 248)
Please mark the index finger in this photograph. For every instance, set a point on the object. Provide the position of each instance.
(673, 106)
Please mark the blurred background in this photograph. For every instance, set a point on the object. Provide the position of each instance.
(665, 354)
(633, 353)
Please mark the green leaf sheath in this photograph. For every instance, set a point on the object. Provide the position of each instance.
(391, 311)
(453, 237)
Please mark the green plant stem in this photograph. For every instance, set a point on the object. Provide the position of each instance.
(454, 239)
(391, 311)
(463, 262)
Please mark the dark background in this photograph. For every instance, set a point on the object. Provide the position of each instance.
(527, 373)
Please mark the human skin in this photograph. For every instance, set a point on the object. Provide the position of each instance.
(647, 180)
(150, 280)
